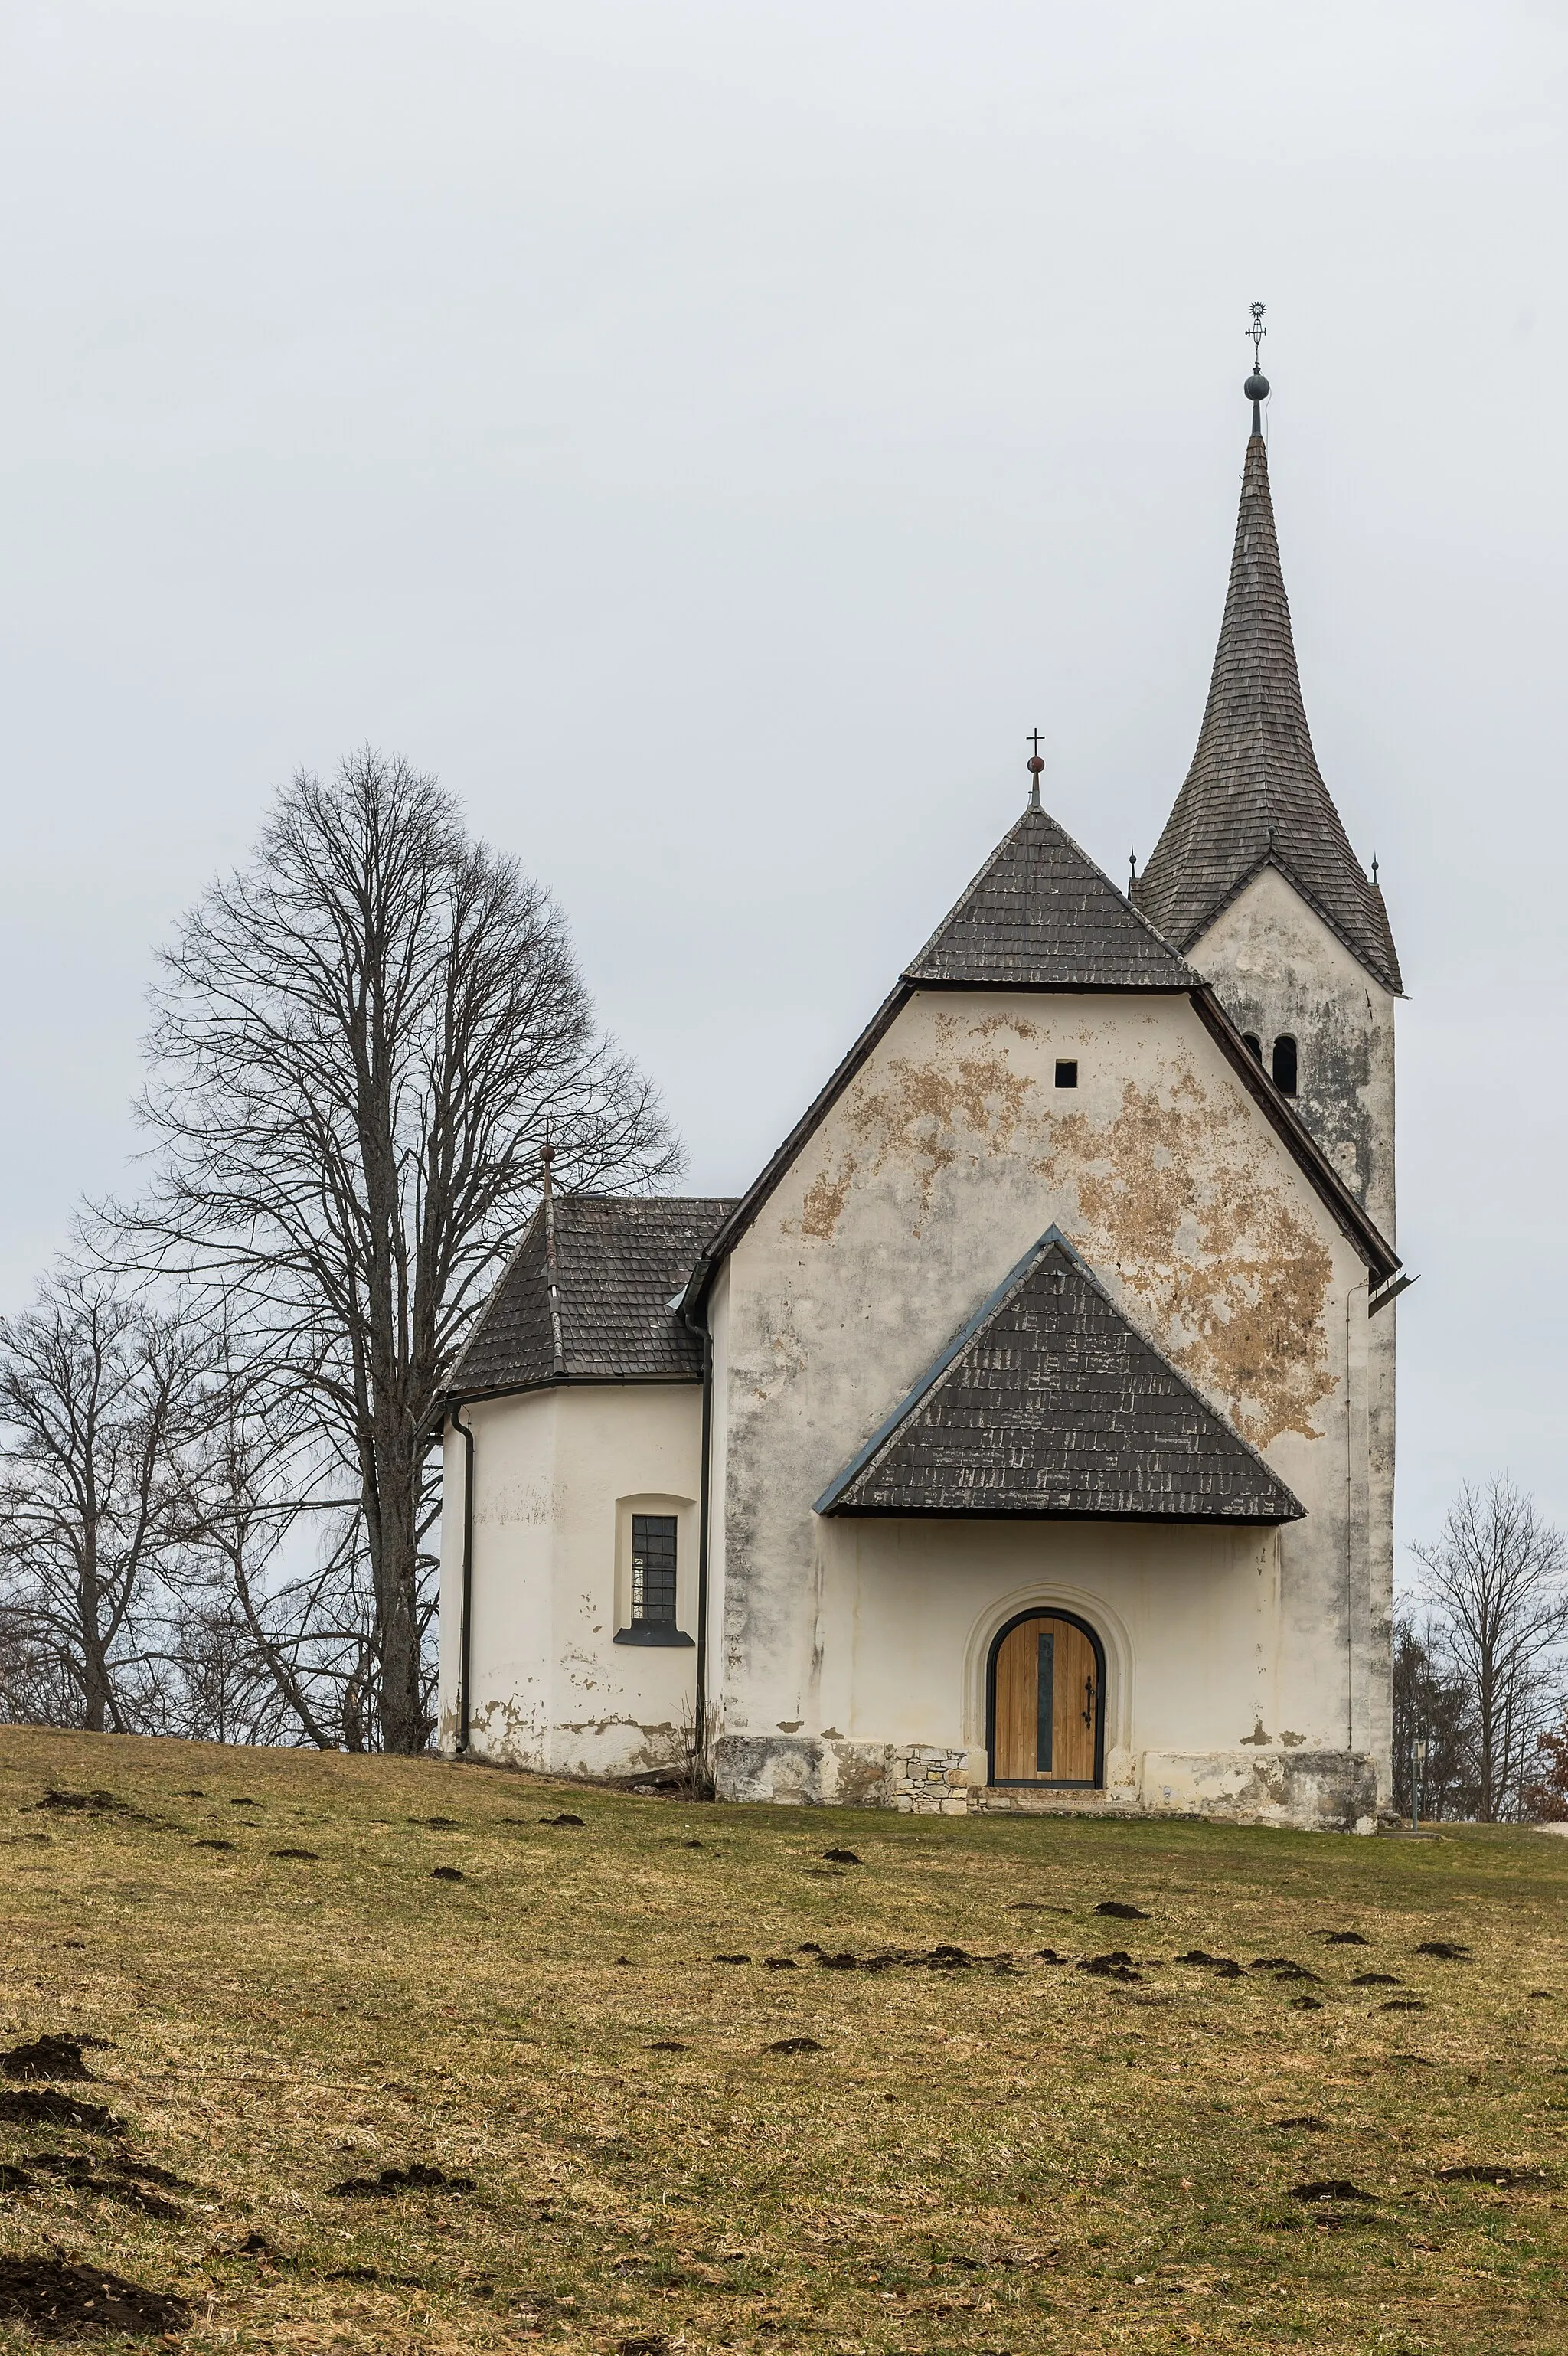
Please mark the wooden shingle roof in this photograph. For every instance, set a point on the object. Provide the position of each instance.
(1042, 915)
(1050, 1403)
(587, 1296)
(1255, 795)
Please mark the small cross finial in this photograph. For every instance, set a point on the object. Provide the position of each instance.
(1035, 766)
(1256, 385)
(1374, 871)
(1131, 869)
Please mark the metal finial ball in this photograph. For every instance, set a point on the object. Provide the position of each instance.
(1256, 387)
(1034, 764)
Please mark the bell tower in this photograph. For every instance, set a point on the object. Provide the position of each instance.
(1253, 878)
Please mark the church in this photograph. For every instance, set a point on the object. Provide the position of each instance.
(1022, 1439)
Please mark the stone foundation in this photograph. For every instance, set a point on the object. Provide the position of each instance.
(1311, 1790)
(927, 1783)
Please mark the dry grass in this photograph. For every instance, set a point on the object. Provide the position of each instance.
(977, 2158)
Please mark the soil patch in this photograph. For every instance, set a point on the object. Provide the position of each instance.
(39, 2106)
(1488, 2172)
(1329, 2188)
(795, 2045)
(65, 2302)
(561, 1820)
(1376, 1980)
(1121, 1909)
(1343, 1939)
(99, 1803)
(1307, 2120)
(416, 2178)
(305, 1856)
(125, 2185)
(1447, 1951)
(55, 2055)
(840, 1857)
(446, 1873)
(212, 1843)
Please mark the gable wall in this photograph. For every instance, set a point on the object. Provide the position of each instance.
(950, 1152)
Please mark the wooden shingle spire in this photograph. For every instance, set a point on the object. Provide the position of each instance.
(1253, 795)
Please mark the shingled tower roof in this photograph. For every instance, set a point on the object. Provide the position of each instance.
(1253, 795)
(1049, 1402)
(1042, 915)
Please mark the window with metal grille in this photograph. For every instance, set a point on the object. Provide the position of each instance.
(653, 1570)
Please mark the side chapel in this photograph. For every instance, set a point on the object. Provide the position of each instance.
(1023, 1437)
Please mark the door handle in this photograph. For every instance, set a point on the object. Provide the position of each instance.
(1089, 1701)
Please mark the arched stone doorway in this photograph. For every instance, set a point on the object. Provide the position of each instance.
(1045, 1703)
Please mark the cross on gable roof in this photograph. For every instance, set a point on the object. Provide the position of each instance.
(1050, 1403)
(1042, 915)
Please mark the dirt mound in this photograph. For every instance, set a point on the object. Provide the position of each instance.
(305, 1856)
(840, 1857)
(780, 1964)
(124, 2184)
(212, 1843)
(666, 2045)
(1121, 1909)
(38, 2106)
(1329, 2188)
(98, 1804)
(1308, 2120)
(417, 2177)
(56, 2054)
(1116, 1965)
(1343, 1939)
(795, 2045)
(561, 1820)
(731, 1959)
(65, 2302)
(446, 1873)
(1447, 1951)
(1480, 2171)
(1375, 1979)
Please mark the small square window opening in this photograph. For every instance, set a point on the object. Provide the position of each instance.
(1066, 1072)
(653, 1570)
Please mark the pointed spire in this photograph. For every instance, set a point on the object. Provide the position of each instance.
(1253, 795)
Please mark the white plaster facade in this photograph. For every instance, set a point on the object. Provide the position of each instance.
(1240, 1677)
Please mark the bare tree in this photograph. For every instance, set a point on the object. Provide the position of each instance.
(1431, 1705)
(101, 1401)
(356, 1046)
(1497, 1577)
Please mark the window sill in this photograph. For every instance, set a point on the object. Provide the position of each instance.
(651, 1632)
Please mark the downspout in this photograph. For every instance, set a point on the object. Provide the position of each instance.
(463, 1652)
(703, 1510)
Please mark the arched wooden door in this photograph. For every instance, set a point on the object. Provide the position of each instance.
(1047, 1684)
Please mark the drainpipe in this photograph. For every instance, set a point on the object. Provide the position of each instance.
(701, 1710)
(704, 1508)
(463, 1655)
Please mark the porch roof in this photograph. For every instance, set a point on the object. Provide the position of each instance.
(1050, 1403)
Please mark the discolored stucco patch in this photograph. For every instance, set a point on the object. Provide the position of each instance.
(923, 1114)
(1179, 1193)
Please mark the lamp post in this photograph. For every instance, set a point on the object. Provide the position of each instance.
(1417, 1771)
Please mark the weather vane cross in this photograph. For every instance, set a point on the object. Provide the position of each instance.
(1035, 766)
(1256, 385)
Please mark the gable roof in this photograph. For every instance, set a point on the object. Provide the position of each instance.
(587, 1296)
(1254, 795)
(1042, 915)
(1050, 1403)
(1003, 935)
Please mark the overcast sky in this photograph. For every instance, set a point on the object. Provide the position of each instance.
(710, 434)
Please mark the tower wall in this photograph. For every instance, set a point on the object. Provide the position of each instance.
(1278, 968)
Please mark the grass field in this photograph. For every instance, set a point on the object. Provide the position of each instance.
(980, 2156)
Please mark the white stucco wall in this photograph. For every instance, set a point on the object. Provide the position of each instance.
(1276, 967)
(950, 1153)
(558, 1474)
